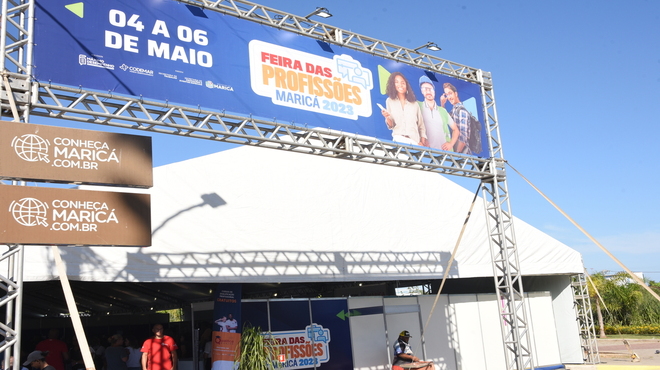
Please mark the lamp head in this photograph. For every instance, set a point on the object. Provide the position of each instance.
(321, 12)
(429, 45)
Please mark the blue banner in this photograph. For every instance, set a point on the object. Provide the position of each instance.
(306, 333)
(165, 50)
(328, 313)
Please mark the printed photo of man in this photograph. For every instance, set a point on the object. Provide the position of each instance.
(441, 130)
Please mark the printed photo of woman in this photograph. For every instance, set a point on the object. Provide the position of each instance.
(402, 113)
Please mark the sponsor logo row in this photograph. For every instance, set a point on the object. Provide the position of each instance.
(98, 62)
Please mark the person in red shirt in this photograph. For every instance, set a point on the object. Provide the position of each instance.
(159, 351)
(58, 352)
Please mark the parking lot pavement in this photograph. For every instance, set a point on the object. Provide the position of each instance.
(615, 355)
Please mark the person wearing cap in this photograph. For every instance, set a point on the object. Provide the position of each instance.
(37, 360)
(404, 356)
(441, 130)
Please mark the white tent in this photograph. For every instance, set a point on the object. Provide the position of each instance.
(254, 215)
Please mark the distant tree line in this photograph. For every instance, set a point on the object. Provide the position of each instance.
(623, 303)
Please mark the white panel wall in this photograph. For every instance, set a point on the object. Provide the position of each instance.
(545, 346)
(568, 330)
(468, 338)
(370, 347)
(464, 332)
(438, 343)
(491, 331)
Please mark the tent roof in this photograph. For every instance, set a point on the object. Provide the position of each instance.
(254, 215)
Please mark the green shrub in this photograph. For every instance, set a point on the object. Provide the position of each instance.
(653, 329)
(256, 350)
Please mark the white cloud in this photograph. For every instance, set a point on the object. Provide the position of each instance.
(639, 252)
(641, 243)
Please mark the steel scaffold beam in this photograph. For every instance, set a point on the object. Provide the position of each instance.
(15, 41)
(506, 272)
(128, 112)
(583, 311)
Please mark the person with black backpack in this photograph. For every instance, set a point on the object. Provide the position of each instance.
(469, 141)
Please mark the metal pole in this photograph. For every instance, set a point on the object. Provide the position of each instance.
(73, 310)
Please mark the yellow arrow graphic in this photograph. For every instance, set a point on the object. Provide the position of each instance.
(77, 9)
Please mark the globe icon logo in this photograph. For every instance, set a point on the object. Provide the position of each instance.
(31, 148)
(29, 212)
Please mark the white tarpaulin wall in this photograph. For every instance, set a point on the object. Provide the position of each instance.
(255, 215)
(464, 332)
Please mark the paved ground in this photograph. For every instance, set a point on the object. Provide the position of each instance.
(614, 355)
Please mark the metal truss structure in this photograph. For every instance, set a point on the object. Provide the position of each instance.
(506, 272)
(11, 281)
(583, 311)
(22, 97)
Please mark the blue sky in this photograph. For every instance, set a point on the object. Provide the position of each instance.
(577, 91)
